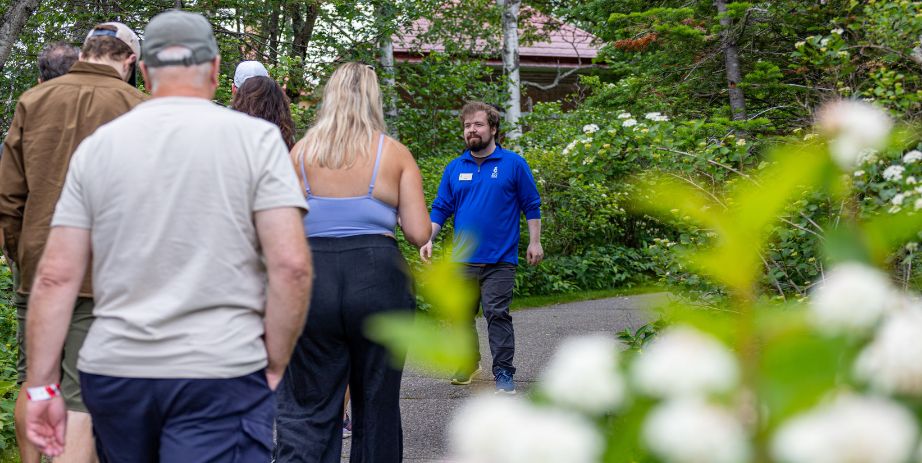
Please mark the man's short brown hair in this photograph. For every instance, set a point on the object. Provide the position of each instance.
(473, 107)
(104, 46)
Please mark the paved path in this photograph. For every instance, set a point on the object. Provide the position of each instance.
(427, 404)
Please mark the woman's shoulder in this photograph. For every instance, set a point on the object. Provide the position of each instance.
(397, 150)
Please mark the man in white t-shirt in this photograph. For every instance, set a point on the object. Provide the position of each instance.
(202, 275)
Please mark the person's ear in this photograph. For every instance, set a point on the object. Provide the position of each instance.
(216, 71)
(144, 74)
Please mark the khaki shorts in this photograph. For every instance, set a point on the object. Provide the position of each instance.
(80, 324)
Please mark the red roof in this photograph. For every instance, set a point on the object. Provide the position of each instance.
(567, 43)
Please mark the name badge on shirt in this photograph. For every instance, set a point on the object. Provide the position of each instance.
(466, 177)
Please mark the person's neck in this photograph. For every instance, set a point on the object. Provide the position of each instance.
(162, 91)
(115, 65)
(486, 151)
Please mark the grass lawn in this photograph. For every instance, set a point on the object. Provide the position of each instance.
(531, 302)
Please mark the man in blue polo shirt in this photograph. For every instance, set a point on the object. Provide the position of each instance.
(487, 189)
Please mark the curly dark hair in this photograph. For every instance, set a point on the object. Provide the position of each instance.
(262, 97)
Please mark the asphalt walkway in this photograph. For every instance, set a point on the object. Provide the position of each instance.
(427, 403)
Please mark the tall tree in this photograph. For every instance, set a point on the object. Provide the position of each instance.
(732, 60)
(13, 21)
(510, 24)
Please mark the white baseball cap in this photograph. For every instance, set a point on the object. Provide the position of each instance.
(119, 31)
(247, 69)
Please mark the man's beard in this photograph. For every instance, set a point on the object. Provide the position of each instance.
(477, 143)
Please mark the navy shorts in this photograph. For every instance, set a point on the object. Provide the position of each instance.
(139, 420)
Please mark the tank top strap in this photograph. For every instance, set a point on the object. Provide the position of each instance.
(307, 187)
(374, 173)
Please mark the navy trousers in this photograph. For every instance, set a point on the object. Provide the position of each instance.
(496, 282)
(181, 420)
(357, 277)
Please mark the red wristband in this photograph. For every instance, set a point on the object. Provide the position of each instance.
(39, 393)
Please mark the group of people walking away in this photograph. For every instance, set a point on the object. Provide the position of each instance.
(193, 283)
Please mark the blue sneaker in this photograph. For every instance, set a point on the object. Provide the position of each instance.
(504, 382)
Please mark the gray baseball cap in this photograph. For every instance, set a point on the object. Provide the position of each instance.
(176, 28)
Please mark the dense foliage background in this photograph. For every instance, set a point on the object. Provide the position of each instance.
(657, 102)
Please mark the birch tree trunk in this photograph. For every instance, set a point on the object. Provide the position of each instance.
(390, 84)
(732, 59)
(510, 21)
(13, 21)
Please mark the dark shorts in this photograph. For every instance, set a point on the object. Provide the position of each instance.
(80, 324)
(140, 420)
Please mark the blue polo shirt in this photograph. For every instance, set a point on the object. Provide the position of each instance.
(487, 202)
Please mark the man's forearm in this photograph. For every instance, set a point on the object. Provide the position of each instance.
(436, 228)
(51, 304)
(534, 231)
(286, 312)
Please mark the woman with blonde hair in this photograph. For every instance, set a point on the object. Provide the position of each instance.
(358, 182)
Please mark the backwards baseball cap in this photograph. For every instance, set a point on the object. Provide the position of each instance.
(176, 28)
(247, 69)
(121, 32)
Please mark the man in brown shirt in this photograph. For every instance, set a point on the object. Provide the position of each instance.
(51, 119)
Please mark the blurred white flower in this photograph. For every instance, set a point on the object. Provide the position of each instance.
(683, 361)
(629, 123)
(859, 173)
(912, 156)
(800, 44)
(837, 31)
(496, 429)
(590, 129)
(897, 199)
(624, 116)
(894, 172)
(849, 429)
(583, 374)
(867, 156)
(852, 299)
(741, 142)
(824, 42)
(911, 180)
(918, 204)
(891, 362)
(853, 127)
(692, 431)
(588, 160)
(656, 117)
(570, 147)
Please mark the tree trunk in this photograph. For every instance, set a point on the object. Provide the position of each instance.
(732, 59)
(13, 21)
(390, 84)
(272, 30)
(303, 25)
(510, 21)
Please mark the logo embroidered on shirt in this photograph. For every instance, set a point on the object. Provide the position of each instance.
(495, 172)
(466, 177)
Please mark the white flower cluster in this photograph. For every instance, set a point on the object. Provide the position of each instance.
(693, 431)
(684, 362)
(590, 129)
(583, 374)
(894, 172)
(853, 127)
(656, 117)
(625, 116)
(629, 123)
(852, 300)
(849, 429)
(684, 366)
(890, 363)
(496, 429)
(912, 157)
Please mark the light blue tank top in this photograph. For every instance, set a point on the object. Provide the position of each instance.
(356, 215)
